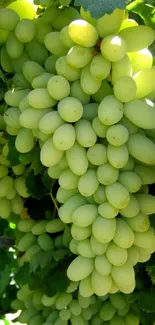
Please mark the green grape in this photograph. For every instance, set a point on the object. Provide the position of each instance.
(97, 154)
(65, 314)
(31, 70)
(49, 154)
(117, 134)
(65, 38)
(146, 174)
(20, 186)
(17, 304)
(128, 23)
(116, 255)
(80, 268)
(37, 297)
(99, 196)
(24, 141)
(99, 128)
(65, 70)
(113, 48)
(54, 226)
(79, 56)
(25, 9)
(84, 249)
(139, 223)
(11, 117)
(64, 137)
(90, 111)
(31, 251)
(132, 128)
(124, 236)
(36, 320)
(83, 33)
(36, 51)
(132, 209)
(101, 284)
(118, 301)
(125, 89)
(14, 48)
(65, 2)
(89, 84)
(144, 239)
(80, 233)
(77, 159)
(117, 156)
(8, 19)
(141, 148)
(25, 30)
(84, 215)
(110, 24)
(144, 77)
(40, 99)
(63, 195)
(3, 171)
(19, 62)
(49, 301)
(3, 35)
(102, 265)
(70, 109)
(97, 320)
(25, 225)
(54, 44)
(130, 180)
(75, 307)
(131, 319)
(31, 117)
(57, 83)
(87, 313)
(73, 246)
(124, 275)
(77, 92)
(26, 241)
(6, 185)
(110, 110)
(41, 29)
(13, 98)
(50, 122)
(121, 68)
(76, 320)
(85, 134)
(6, 62)
(104, 90)
(19, 81)
(116, 320)
(45, 242)
(11, 194)
(133, 255)
(27, 314)
(88, 183)
(146, 203)
(107, 311)
(41, 80)
(141, 60)
(17, 205)
(134, 39)
(85, 290)
(107, 174)
(39, 227)
(107, 211)
(72, 287)
(84, 301)
(68, 180)
(66, 210)
(100, 67)
(121, 198)
(5, 208)
(143, 256)
(104, 229)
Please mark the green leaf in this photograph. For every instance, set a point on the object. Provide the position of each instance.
(4, 278)
(3, 226)
(144, 10)
(4, 259)
(146, 300)
(32, 158)
(99, 8)
(13, 155)
(59, 254)
(40, 260)
(23, 276)
(35, 186)
(147, 318)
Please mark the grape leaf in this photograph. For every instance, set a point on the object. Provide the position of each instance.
(147, 318)
(35, 186)
(99, 8)
(23, 276)
(4, 278)
(40, 260)
(146, 300)
(32, 158)
(13, 155)
(37, 208)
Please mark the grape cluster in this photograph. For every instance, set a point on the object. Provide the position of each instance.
(83, 91)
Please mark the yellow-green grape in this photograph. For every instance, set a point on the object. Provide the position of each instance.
(19, 62)
(97, 154)
(117, 134)
(41, 29)
(80, 268)
(31, 69)
(3, 171)
(70, 109)
(66, 210)
(99, 128)
(77, 159)
(65, 314)
(75, 320)
(37, 319)
(5, 208)
(11, 194)
(58, 87)
(116, 320)
(103, 91)
(8, 19)
(113, 48)
(20, 186)
(131, 318)
(13, 98)
(45, 242)
(132, 209)
(146, 203)
(110, 110)
(65, 38)
(68, 180)
(16, 304)
(144, 80)
(30, 118)
(79, 56)
(100, 67)
(101, 283)
(20, 81)
(102, 265)
(107, 211)
(48, 301)
(6, 185)
(40, 99)
(84, 215)
(49, 154)
(110, 24)
(14, 47)
(24, 141)
(79, 233)
(50, 64)
(130, 180)
(137, 37)
(128, 23)
(141, 148)
(139, 223)
(23, 105)
(117, 156)
(97, 247)
(55, 171)
(85, 134)
(125, 89)
(124, 276)
(75, 307)
(25, 30)
(54, 44)
(41, 80)
(99, 196)
(65, 70)
(107, 174)
(64, 137)
(77, 92)
(54, 226)
(89, 84)
(144, 239)
(11, 117)
(72, 286)
(6, 62)
(118, 301)
(124, 236)
(39, 227)
(90, 111)
(121, 198)
(104, 229)
(141, 60)
(73, 246)
(121, 68)
(86, 290)
(132, 128)
(26, 241)
(84, 248)
(50, 122)
(25, 225)
(3, 35)
(146, 174)
(88, 183)
(141, 112)
(83, 33)
(116, 255)
(24, 8)
(107, 311)
(26, 314)
(17, 205)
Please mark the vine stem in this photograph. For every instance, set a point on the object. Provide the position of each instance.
(54, 201)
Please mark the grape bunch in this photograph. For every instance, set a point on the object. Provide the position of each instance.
(83, 90)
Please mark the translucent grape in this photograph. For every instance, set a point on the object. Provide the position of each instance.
(84, 215)
(104, 229)
(68, 180)
(70, 109)
(83, 33)
(125, 89)
(79, 56)
(113, 48)
(64, 137)
(24, 141)
(25, 30)
(58, 87)
(124, 236)
(49, 154)
(100, 67)
(80, 268)
(107, 174)
(110, 110)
